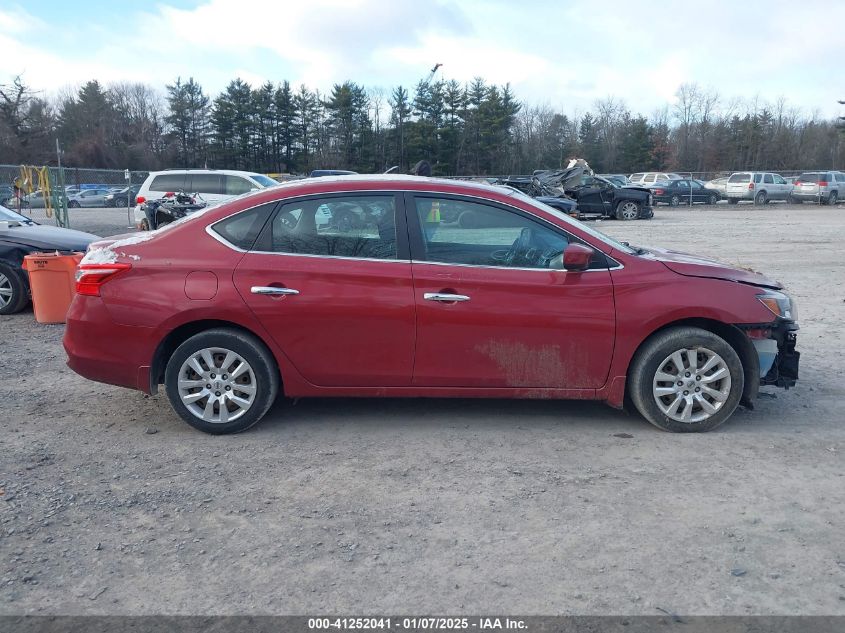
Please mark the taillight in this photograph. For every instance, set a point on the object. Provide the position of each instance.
(751, 185)
(140, 200)
(90, 277)
(822, 183)
(797, 183)
(659, 192)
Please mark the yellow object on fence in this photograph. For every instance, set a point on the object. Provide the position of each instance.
(28, 177)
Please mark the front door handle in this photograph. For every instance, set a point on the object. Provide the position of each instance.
(444, 297)
(270, 290)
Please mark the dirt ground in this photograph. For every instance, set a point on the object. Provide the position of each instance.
(110, 504)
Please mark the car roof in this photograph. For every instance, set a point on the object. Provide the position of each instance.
(225, 172)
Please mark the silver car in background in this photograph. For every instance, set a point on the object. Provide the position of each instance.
(718, 184)
(88, 198)
(824, 187)
(758, 186)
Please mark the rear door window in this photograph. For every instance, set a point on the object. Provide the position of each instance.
(205, 183)
(168, 182)
(840, 177)
(348, 226)
(767, 178)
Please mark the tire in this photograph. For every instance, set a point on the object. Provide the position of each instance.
(654, 358)
(832, 198)
(14, 295)
(792, 200)
(261, 377)
(760, 199)
(73, 204)
(733, 201)
(628, 210)
(675, 201)
(713, 199)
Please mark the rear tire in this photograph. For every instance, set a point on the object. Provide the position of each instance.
(247, 392)
(760, 199)
(832, 198)
(675, 201)
(680, 408)
(14, 295)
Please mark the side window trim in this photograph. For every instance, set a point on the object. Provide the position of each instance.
(263, 244)
(417, 244)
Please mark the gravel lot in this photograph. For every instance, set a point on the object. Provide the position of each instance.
(110, 504)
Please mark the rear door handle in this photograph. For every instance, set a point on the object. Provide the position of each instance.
(444, 297)
(271, 290)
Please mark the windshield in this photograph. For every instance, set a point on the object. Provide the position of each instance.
(571, 222)
(7, 215)
(264, 180)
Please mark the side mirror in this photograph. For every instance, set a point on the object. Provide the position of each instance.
(576, 257)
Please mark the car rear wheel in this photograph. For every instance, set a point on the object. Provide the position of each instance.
(832, 198)
(675, 201)
(627, 210)
(760, 198)
(13, 293)
(686, 380)
(221, 381)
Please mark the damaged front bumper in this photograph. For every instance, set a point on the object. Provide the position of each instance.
(775, 347)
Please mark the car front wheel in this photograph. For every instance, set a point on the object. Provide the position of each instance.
(627, 210)
(686, 380)
(221, 381)
(713, 199)
(13, 293)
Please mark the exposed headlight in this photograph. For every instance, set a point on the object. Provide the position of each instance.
(779, 303)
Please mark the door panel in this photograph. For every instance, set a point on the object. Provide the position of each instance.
(506, 326)
(352, 319)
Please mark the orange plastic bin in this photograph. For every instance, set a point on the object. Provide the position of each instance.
(52, 280)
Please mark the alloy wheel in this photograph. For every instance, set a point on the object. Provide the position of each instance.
(629, 210)
(691, 384)
(6, 291)
(217, 385)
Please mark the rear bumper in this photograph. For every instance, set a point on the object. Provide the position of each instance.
(100, 349)
(801, 195)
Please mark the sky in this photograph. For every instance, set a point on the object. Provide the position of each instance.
(565, 54)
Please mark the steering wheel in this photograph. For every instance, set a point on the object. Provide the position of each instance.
(522, 251)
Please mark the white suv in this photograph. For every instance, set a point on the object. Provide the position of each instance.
(213, 185)
(759, 186)
(645, 179)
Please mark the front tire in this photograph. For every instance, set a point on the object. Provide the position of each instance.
(628, 210)
(708, 369)
(73, 204)
(713, 199)
(13, 292)
(222, 381)
(733, 201)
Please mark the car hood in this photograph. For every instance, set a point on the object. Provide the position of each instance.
(49, 238)
(696, 266)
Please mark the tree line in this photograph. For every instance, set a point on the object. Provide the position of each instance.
(461, 129)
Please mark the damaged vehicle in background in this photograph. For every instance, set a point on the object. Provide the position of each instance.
(595, 196)
(20, 236)
(250, 299)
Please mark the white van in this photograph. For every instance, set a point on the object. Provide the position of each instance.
(213, 185)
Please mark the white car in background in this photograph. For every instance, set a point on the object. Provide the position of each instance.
(757, 186)
(213, 185)
(645, 179)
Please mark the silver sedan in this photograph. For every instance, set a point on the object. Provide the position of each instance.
(88, 198)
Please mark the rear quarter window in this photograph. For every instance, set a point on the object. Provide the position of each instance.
(241, 230)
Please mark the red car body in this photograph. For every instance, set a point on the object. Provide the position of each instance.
(361, 327)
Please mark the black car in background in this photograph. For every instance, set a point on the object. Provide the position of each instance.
(19, 237)
(118, 198)
(599, 197)
(683, 191)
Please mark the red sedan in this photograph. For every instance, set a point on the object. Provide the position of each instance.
(402, 286)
